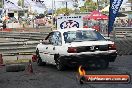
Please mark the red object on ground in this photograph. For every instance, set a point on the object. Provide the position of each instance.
(1, 60)
(34, 58)
(96, 15)
(7, 29)
(30, 68)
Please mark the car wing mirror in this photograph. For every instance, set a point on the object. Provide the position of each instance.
(45, 42)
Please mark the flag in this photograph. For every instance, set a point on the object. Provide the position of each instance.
(113, 11)
(40, 4)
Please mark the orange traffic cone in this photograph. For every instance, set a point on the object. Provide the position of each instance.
(30, 68)
(1, 60)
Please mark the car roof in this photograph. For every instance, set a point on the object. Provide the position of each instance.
(73, 29)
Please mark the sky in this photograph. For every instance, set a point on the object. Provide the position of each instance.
(58, 4)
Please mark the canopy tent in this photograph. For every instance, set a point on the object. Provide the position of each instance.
(96, 15)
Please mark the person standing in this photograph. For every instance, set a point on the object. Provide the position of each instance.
(85, 26)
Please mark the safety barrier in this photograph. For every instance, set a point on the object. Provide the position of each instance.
(122, 36)
(20, 43)
(122, 32)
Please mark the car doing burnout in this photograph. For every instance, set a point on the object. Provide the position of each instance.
(74, 47)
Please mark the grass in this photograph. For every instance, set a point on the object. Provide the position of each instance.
(16, 61)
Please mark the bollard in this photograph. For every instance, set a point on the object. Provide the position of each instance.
(1, 60)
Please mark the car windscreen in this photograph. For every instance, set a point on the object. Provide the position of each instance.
(82, 35)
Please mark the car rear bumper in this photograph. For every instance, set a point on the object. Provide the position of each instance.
(85, 59)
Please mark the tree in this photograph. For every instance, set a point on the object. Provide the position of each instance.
(64, 11)
(103, 3)
(1, 3)
(130, 1)
(21, 3)
(89, 6)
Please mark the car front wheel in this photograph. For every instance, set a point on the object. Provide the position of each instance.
(39, 60)
(59, 64)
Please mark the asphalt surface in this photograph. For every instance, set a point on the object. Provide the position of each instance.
(48, 76)
(124, 46)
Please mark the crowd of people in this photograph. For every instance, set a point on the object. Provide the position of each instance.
(102, 25)
(123, 23)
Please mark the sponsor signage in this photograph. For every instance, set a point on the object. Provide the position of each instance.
(113, 11)
(64, 22)
(111, 78)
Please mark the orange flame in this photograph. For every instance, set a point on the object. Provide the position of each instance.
(81, 71)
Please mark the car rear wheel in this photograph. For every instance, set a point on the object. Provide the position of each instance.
(59, 64)
(102, 64)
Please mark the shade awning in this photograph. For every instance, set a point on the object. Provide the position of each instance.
(96, 15)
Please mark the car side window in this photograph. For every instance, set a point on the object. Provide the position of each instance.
(54, 38)
(57, 39)
(50, 38)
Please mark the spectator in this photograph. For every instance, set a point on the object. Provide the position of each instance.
(4, 24)
(85, 26)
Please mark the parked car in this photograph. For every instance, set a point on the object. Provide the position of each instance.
(74, 47)
(41, 21)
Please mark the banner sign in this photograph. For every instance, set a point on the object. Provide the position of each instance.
(69, 22)
(113, 12)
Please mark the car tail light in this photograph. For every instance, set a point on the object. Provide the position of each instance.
(72, 50)
(111, 46)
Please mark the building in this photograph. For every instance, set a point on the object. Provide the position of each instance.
(17, 13)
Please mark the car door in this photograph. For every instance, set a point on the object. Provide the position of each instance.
(57, 45)
(48, 49)
(43, 49)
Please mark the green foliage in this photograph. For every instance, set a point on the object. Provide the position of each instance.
(89, 6)
(103, 3)
(130, 1)
(64, 11)
(21, 3)
(1, 3)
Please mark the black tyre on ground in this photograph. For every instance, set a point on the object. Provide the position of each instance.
(102, 64)
(39, 60)
(15, 67)
(59, 64)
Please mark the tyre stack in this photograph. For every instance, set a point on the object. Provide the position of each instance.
(15, 67)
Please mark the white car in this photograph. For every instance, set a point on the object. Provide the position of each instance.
(74, 47)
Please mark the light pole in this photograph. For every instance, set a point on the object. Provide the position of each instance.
(3, 14)
(52, 15)
(98, 5)
(66, 9)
